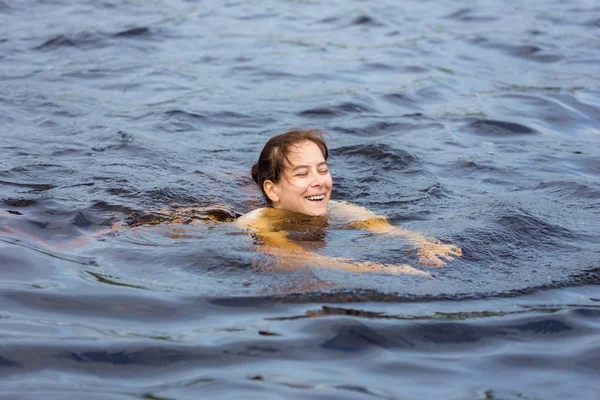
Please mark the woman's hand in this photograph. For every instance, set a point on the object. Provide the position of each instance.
(431, 251)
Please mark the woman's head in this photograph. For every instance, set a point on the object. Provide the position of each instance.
(292, 172)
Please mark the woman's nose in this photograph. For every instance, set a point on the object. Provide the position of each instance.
(318, 179)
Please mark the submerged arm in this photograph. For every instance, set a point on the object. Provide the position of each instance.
(289, 255)
(429, 251)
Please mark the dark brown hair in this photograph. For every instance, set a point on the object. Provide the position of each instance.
(270, 164)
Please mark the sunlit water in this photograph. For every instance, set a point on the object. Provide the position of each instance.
(476, 123)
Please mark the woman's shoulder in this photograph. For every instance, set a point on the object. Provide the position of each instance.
(259, 216)
(249, 217)
(347, 211)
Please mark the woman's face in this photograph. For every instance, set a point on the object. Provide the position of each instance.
(305, 185)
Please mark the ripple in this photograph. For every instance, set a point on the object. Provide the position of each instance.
(383, 155)
(79, 40)
(533, 53)
(494, 128)
(383, 128)
(570, 190)
(401, 99)
(337, 110)
(36, 187)
(20, 202)
(529, 52)
(141, 31)
(469, 15)
(366, 20)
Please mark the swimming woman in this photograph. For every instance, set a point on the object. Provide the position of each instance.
(293, 177)
(296, 184)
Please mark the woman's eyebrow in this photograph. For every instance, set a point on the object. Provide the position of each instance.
(308, 166)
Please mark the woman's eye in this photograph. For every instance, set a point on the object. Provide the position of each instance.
(323, 171)
(302, 174)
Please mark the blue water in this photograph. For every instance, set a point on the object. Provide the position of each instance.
(476, 123)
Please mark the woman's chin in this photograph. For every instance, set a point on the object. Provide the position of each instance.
(317, 210)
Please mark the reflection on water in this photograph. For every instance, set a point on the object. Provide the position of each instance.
(476, 124)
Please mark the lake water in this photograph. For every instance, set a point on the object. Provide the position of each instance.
(477, 123)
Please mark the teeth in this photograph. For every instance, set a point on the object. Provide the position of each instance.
(315, 198)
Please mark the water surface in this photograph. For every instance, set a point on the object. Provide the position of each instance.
(475, 123)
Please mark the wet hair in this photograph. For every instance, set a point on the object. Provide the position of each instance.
(270, 165)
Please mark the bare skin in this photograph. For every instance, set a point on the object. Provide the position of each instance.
(286, 254)
(289, 254)
(302, 192)
(304, 189)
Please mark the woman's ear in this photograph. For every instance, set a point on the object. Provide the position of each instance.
(271, 191)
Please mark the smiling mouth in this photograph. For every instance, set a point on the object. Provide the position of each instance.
(315, 198)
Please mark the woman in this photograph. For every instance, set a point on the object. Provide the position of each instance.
(292, 174)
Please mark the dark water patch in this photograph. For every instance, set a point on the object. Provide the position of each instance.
(7, 363)
(20, 202)
(137, 309)
(65, 152)
(570, 190)
(470, 15)
(383, 128)
(354, 337)
(81, 40)
(329, 20)
(241, 302)
(141, 31)
(118, 360)
(35, 187)
(174, 197)
(593, 313)
(529, 52)
(413, 69)
(362, 20)
(437, 191)
(58, 41)
(229, 119)
(185, 115)
(182, 121)
(375, 66)
(121, 141)
(41, 169)
(498, 129)
(546, 326)
(476, 167)
(337, 110)
(345, 189)
(379, 154)
(401, 99)
(533, 53)
(257, 16)
(104, 206)
(263, 74)
(434, 92)
(121, 191)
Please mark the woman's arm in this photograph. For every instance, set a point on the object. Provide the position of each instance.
(289, 255)
(429, 251)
